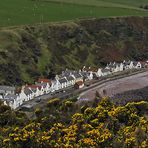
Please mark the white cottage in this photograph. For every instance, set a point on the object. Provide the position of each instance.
(95, 72)
(106, 72)
(37, 90)
(137, 65)
(47, 85)
(128, 65)
(77, 76)
(70, 80)
(26, 94)
(118, 67)
(7, 90)
(64, 82)
(114, 67)
(14, 101)
(56, 85)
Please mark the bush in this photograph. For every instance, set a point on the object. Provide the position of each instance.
(146, 7)
(4, 108)
(38, 113)
(54, 102)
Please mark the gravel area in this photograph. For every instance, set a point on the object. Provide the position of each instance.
(114, 87)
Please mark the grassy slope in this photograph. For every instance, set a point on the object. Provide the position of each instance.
(136, 3)
(18, 12)
(132, 4)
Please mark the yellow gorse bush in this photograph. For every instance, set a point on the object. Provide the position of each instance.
(101, 126)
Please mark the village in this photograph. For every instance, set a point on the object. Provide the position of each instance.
(67, 79)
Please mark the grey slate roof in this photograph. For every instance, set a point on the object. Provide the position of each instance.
(27, 91)
(7, 88)
(105, 70)
(70, 78)
(127, 62)
(77, 75)
(10, 97)
(62, 80)
(112, 65)
(44, 84)
(85, 74)
(66, 73)
(135, 63)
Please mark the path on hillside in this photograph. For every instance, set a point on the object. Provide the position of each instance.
(113, 87)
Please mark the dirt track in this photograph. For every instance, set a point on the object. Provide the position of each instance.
(118, 86)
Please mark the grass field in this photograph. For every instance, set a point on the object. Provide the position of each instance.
(131, 4)
(20, 12)
(135, 3)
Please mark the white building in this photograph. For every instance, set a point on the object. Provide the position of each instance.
(13, 101)
(7, 90)
(106, 72)
(137, 65)
(64, 82)
(128, 65)
(70, 80)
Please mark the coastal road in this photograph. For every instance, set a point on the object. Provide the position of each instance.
(139, 79)
(113, 87)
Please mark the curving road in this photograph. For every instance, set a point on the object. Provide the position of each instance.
(113, 87)
(118, 83)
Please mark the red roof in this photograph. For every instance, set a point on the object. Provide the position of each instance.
(93, 69)
(79, 83)
(40, 80)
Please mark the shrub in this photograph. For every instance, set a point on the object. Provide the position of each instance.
(38, 112)
(146, 7)
(54, 102)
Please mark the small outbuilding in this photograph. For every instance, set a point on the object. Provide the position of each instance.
(79, 85)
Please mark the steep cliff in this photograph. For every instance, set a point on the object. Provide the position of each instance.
(27, 52)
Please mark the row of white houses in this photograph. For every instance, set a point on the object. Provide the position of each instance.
(66, 79)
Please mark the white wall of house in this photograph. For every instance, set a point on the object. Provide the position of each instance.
(70, 83)
(23, 96)
(12, 104)
(116, 69)
(64, 85)
(139, 65)
(56, 86)
(52, 87)
(37, 93)
(121, 66)
(90, 76)
(41, 91)
(1, 96)
(47, 89)
(74, 80)
(131, 65)
(106, 73)
(16, 102)
(99, 72)
(30, 96)
(19, 101)
(81, 86)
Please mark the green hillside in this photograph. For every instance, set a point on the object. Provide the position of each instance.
(20, 12)
(28, 52)
(132, 4)
(136, 3)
